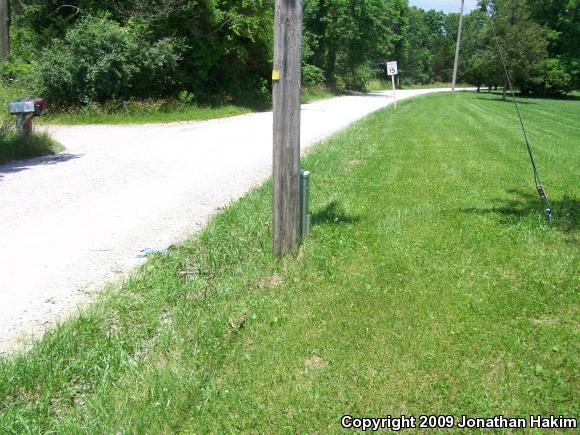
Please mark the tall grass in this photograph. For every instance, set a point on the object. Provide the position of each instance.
(16, 147)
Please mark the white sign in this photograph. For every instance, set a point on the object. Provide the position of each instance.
(392, 68)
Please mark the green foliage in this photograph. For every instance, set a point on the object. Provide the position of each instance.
(8, 92)
(562, 19)
(141, 111)
(431, 40)
(345, 37)
(227, 54)
(556, 78)
(417, 65)
(522, 42)
(15, 147)
(99, 60)
(222, 49)
(483, 67)
(186, 97)
(10, 71)
(312, 75)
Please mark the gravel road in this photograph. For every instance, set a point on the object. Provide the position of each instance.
(71, 222)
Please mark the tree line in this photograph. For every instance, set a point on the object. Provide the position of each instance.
(83, 51)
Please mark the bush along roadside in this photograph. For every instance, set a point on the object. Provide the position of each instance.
(16, 147)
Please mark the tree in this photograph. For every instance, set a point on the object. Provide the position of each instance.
(471, 67)
(417, 64)
(556, 78)
(98, 60)
(4, 30)
(561, 19)
(217, 33)
(523, 43)
(343, 37)
(482, 63)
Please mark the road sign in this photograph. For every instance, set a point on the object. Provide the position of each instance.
(393, 70)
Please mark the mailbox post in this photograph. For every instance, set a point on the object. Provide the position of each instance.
(25, 111)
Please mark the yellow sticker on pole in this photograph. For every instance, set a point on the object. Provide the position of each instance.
(276, 74)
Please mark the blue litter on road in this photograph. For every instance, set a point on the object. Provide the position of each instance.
(150, 251)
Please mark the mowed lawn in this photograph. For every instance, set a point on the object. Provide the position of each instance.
(430, 284)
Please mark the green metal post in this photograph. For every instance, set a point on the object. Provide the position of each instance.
(304, 193)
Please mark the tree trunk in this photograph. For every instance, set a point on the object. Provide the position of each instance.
(330, 67)
(4, 30)
(504, 93)
(478, 88)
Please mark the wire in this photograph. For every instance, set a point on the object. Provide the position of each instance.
(539, 187)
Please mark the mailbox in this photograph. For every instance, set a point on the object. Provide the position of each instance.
(25, 110)
(39, 105)
(36, 106)
(17, 107)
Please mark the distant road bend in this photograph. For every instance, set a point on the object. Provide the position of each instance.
(71, 222)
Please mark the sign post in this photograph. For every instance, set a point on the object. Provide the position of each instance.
(286, 103)
(393, 70)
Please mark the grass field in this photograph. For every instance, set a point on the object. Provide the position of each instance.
(381, 85)
(430, 284)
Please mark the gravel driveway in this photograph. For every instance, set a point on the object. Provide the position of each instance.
(71, 222)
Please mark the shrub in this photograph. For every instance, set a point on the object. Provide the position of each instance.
(186, 97)
(312, 75)
(357, 79)
(13, 70)
(99, 60)
(556, 79)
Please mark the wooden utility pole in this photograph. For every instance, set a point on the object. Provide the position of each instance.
(286, 95)
(4, 30)
(456, 65)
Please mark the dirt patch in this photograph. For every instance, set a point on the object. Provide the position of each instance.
(237, 323)
(315, 363)
(272, 281)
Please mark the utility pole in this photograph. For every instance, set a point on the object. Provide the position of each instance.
(286, 77)
(455, 66)
(4, 30)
